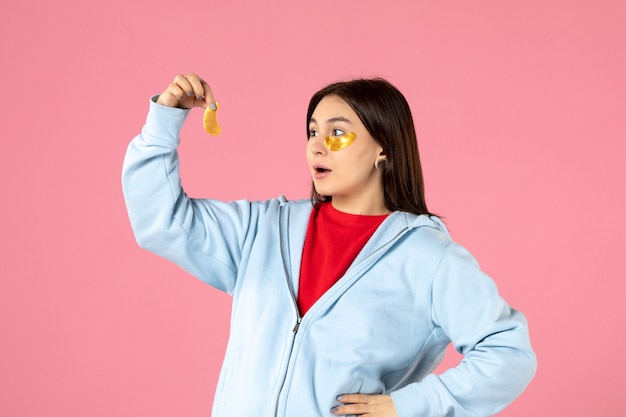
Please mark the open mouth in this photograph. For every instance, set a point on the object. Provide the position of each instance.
(320, 169)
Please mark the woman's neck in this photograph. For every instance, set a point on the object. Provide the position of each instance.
(367, 208)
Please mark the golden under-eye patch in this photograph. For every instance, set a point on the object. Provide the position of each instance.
(210, 119)
(337, 143)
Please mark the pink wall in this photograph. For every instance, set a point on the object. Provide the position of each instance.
(520, 108)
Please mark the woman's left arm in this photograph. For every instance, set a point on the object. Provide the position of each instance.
(498, 360)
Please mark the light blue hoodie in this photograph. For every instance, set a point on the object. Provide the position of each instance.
(381, 329)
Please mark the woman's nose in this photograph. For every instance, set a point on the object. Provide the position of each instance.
(316, 146)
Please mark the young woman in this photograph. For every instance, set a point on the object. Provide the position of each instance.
(342, 305)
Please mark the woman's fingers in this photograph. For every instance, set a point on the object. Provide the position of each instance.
(207, 93)
(197, 87)
(186, 91)
(361, 404)
(170, 96)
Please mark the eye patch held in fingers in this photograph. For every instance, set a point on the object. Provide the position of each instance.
(210, 119)
(337, 143)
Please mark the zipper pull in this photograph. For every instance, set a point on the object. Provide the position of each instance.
(297, 326)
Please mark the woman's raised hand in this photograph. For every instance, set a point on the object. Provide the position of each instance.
(187, 91)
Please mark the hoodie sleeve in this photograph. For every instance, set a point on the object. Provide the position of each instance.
(204, 237)
(498, 361)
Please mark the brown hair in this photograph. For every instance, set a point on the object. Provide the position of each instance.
(387, 117)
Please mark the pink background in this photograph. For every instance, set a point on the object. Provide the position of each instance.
(520, 109)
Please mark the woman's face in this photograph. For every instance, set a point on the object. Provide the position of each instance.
(348, 175)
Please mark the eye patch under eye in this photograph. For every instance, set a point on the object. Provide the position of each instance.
(210, 119)
(337, 143)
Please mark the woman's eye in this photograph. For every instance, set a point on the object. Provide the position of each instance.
(338, 132)
(313, 133)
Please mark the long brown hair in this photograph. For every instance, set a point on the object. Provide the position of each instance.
(387, 117)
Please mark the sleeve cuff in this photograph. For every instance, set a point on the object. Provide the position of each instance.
(163, 124)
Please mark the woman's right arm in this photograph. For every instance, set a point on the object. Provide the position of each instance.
(202, 236)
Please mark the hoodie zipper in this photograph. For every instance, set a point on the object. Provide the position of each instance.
(281, 234)
(292, 292)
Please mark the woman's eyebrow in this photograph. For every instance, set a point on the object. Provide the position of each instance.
(338, 119)
(332, 120)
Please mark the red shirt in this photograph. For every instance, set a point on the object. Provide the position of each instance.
(333, 240)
